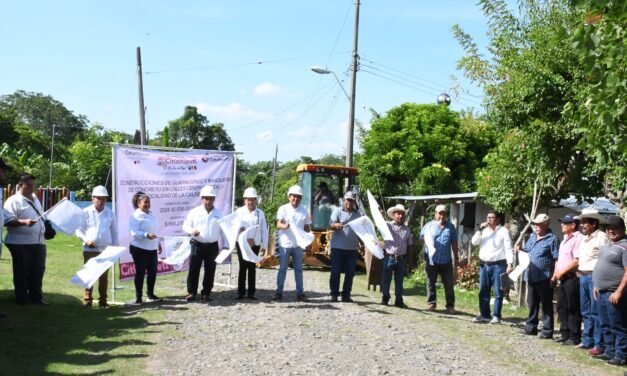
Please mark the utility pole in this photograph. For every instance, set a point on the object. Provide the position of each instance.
(351, 111)
(276, 153)
(51, 156)
(142, 109)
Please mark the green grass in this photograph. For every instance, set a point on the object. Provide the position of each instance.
(66, 338)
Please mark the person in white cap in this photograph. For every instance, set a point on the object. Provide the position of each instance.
(543, 251)
(344, 248)
(201, 225)
(97, 231)
(291, 214)
(594, 238)
(398, 253)
(442, 237)
(250, 215)
(495, 253)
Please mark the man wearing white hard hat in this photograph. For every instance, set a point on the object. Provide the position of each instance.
(543, 251)
(97, 231)
(398, 253)
(250, 215)
(201, 225)
(344, 248)
(593, 240)
(291, 214)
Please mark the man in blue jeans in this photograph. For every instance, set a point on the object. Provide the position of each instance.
(344, 247)
(496, 255)
(398, 252)
(288, 215)
(610, 280)
(594, 238)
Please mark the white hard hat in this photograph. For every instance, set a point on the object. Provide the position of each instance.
(295, 190)
(250, 193)
(207, 191)
(100, 191)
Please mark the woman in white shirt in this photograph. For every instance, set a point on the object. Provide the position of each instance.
(144, 245)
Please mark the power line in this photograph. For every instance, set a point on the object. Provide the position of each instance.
(260, 62)
(386, 24)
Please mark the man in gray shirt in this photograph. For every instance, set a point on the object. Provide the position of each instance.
(610, 279)
(344, 246)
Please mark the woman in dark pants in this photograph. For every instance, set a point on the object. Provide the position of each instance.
(144, 245)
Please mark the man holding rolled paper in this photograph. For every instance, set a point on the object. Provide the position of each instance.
(98, 231)
(201, 224)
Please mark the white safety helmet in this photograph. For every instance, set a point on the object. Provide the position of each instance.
(207, 191)
(295, 190)
(100, 191)
(250, 193)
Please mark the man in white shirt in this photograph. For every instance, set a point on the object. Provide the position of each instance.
(249, 216)
(288, 215)
(496, 255)
(3, 169)
(202, 225)
(98, 231)
(26, 242)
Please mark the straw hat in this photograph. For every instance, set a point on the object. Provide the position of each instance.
(394, 209)
(591, 213)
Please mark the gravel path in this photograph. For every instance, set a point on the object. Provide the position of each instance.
(229, 337)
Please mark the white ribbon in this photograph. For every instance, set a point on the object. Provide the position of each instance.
(247, 252)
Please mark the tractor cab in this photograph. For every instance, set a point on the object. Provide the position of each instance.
(323, 189)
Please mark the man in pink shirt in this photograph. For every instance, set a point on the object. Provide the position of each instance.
(567, 282)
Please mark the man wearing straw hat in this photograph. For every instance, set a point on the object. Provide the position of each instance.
(97, 231)
(543, 251)
(594, 238)
(398, 253)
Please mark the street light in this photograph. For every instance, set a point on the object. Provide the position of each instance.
(320, 70)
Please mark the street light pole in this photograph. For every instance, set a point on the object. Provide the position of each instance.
(351, 111)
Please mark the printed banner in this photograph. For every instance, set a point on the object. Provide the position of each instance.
(375, 211)
(96, 266)
(173, 181)
(66, 215)
(364, 228)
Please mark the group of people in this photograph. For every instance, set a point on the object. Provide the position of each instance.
(588, 271)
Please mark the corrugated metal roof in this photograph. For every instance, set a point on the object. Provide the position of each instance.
(602, 204)
(446, 197)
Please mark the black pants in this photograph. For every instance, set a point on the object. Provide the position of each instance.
(246, 267)
(145, 263)
(568, 308)
(202, 253)
(448, 280)
(540, 294)
(29, 265)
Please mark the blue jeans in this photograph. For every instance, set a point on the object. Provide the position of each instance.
(297, 263)
(396, 266)
(342, 261)
(614, 325)
(591, 335)
(490, 276)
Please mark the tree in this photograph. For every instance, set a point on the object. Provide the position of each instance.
(422, 149)
(530, 78)
(41, 112)
(600, 108)
(192, 130)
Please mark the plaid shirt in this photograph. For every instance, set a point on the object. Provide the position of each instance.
(542, 256)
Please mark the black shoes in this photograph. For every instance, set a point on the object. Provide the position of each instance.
(399, 303)
(560, 339)
(303, 298)
(334, 299)
(153, 298)
(347, 299)
(385, 301)
(545, 335)
(277, 297)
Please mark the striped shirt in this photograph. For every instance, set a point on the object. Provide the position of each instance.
(402, 240)
(542, 254)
